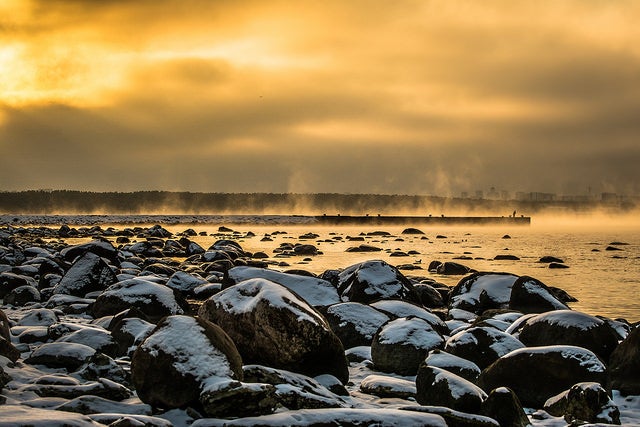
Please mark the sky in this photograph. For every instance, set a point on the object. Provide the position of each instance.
(345, 96)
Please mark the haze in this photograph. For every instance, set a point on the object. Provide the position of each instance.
(406, 97)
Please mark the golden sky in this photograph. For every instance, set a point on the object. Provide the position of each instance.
(411, 97)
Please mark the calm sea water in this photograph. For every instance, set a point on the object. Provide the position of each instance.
(605, 282)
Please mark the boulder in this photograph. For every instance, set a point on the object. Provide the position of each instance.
(373, 280)
(452, 268)
(305, 250)
(586, 402)
(454, 418)
(69, 356)
(101, 248)
(10, 281)
(391, 387)
(19, 416)
(482, 291)
(185, 283)
(570, 328)
(529, 295)
(437, 387)
(354, 323)
(537, 373)
(412, 231)
(503, 405)
(96, 338)
(481, 345)
(272, 326)
(177, 361)
(154, 300)
(402, 344)
(457, 365)
(624, 365)
(315, 291)
(22, 295)
(429, 296)
(397, 308)
(89, 273)
(363, 248)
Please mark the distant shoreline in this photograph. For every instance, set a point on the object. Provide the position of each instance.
(88, 220)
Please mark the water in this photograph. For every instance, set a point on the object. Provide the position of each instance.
(605, 282)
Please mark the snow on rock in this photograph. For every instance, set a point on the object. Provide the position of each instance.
(155, 300)
(402, 344)
(272, 326)
(88, 274)
(355, 323)
(454, 364)
(537, 373)
(38, 317)
(481, 345)
(529, 295)
(18, 415)
(386, 386)
(182, 355)
(184, 282)
(435, 386)
(399, 308)
(317, 292)
(61, 355)
(571, 328)
(346, 417)
(373, 280)
(624, 365)
(482, 291)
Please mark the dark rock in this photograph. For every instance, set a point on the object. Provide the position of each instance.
(428, 295)
(454, 418)
(412, 231)
(384, 386)
(96, 338)
(10, 281)
(397, 308)
(354, 323)
(481, 345)
(89, 273)
(624, 365)
(184, 282)
(402, 344)
(272, 326)
(549, 259)
(506, 257)
(363, 248)
(457, 365)
(586, 402)
(155, 301)
(529, 295)
(101, 248)
(555, 265)
(504, 406)
(482, 291)
(22, 416)
(537, 373)
(570, 328)
(613, 248)
(452, 268)
(61, 355)
(305, 250)
(102, 366)
(187, 352)
(22, 295)
(373, 280)
(437, 387)
(433, 265)
(236, 399)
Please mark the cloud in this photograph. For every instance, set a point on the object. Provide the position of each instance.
(409, 97)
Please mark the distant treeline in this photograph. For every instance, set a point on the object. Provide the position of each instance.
(149, 202)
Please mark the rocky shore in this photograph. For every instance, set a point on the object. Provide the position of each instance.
(141, 327)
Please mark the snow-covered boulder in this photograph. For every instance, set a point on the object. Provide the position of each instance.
(571, 328)
(96, 338)
(481, 345)
(437, 387)
(386, 386)
(398, 308)
(402, 344)
(61, 355)
(230, 247)
(272, 326)
(537, 373)
(293, 390)
(503, 405)
(529, 295)
(19, 415)
(624, 365)
(315, 291)
(482, 291)
(129, 332)
(183, 355)
(454, 364)
(586, 402)
(373, 280)
(89, 273)
(154, 300)
(355, 323)
(101, 248)
(184, 282)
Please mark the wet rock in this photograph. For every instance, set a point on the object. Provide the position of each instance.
(412, 231)
(570, 328)
(101, 248)
(10, 281)
(373, 280)
(187, 352)
(305, 250)
(22, 295)
(236, 399)
(537, 373)
(556, 265)
(549, 259)
(481, 345)
(506, 257)
(272, 326)
(437, 387)
(364, 248)
(452, 268)
(354, 323)
(482, 291)
(429, 296)
(624, 365)
(529, 295)
(402, 344)
(503, 405)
